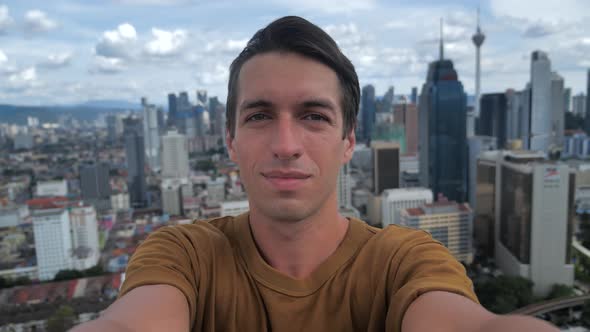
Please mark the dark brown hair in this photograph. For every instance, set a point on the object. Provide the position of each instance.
(297, 35)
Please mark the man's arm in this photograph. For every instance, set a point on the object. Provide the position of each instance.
(444, 311)
(146, 308)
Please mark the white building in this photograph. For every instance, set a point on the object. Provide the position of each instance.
(234, 208)
(541, 114)
(53, 241)
(85, 237)
(533, 225)
(151, 135)
(395, 200)
(175, 163)
(52, 188)
(14, 215)
(173, 193)
(477, 145)
(579, 105)
(344, 188)
(216, 191)
(120, 201)
(448, 222)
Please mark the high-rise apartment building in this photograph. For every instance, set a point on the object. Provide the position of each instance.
(53, 241)
(541, 115)
(448, 222)
(368, 110)
(175, 163)
(84, 227)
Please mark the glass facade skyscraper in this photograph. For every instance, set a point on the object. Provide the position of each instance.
(368, 109)
(135, 153)
(443, 137)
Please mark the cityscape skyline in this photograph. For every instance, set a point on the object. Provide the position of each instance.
(68, 51)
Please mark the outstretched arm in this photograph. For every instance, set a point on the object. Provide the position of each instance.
(146, 308)
(444, 311)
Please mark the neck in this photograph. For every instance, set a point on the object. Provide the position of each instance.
(298, 248)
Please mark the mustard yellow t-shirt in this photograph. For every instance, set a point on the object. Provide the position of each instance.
(366, 285)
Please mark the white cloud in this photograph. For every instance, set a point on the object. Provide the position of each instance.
(37, 21)
(152, 2)
(213, 76)
(5, 19)
(230, 46)
(3, 58)
(23, 80)
(166, 43)
(541, 10)
(348, 36)
(56, 60)
(117, 43)
(106, 65)
(328, 6)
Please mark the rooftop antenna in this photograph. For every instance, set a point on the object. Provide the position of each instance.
(442, 49)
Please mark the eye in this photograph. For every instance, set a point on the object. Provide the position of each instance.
(257, 117)
(316, 117)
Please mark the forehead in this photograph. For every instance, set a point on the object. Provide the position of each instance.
(286, 76)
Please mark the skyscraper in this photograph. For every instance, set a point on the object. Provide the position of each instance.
(175, 162)
(587, 119)
(151, 134)
(135, 154)
(443, 139)
(94, 181)
(557, 111)
(414, 96)
(385, 166)
(368, 109)
(172, 110)
(84, 229)
(493, 117)
(567, 99)
(541, 115)
(579, 105)
(478, 39)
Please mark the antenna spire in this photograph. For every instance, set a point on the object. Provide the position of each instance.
(442, 48)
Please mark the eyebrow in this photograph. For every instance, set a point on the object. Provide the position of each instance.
(319, 102)
(309, 103)
(256, 103)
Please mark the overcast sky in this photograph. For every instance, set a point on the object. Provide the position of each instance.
(56, 52)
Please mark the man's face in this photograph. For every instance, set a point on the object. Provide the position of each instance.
(288, 139)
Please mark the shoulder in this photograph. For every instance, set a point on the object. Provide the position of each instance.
(201, 234)
(395, 238)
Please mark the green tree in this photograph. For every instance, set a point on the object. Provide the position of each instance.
(560, 290)
(94, 271)
(62, 319)
(504, 294)
(68, 275)
(586, 314)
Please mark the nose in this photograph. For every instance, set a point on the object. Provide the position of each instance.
(285, 141)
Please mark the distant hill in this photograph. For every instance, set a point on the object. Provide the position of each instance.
(111, 104)
(89, 111)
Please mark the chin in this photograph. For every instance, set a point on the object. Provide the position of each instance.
(288, 211)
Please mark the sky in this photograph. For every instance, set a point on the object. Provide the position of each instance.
(64, 52)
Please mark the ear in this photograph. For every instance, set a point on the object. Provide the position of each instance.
(230, 146)
(349, 143)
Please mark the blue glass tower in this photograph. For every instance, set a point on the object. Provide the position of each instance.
(443, 131)
(369, 108)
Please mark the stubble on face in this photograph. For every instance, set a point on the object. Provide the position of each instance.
(284, 82)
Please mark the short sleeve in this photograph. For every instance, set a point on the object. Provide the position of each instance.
(165, 257)
(426, 266)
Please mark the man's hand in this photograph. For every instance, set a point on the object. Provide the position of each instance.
(146, 308)
(444, 311)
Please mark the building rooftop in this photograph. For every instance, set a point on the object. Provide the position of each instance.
(438, 208)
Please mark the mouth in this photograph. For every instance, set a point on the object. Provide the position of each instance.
(286, 180)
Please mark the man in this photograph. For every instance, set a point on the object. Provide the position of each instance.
(293, 262)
